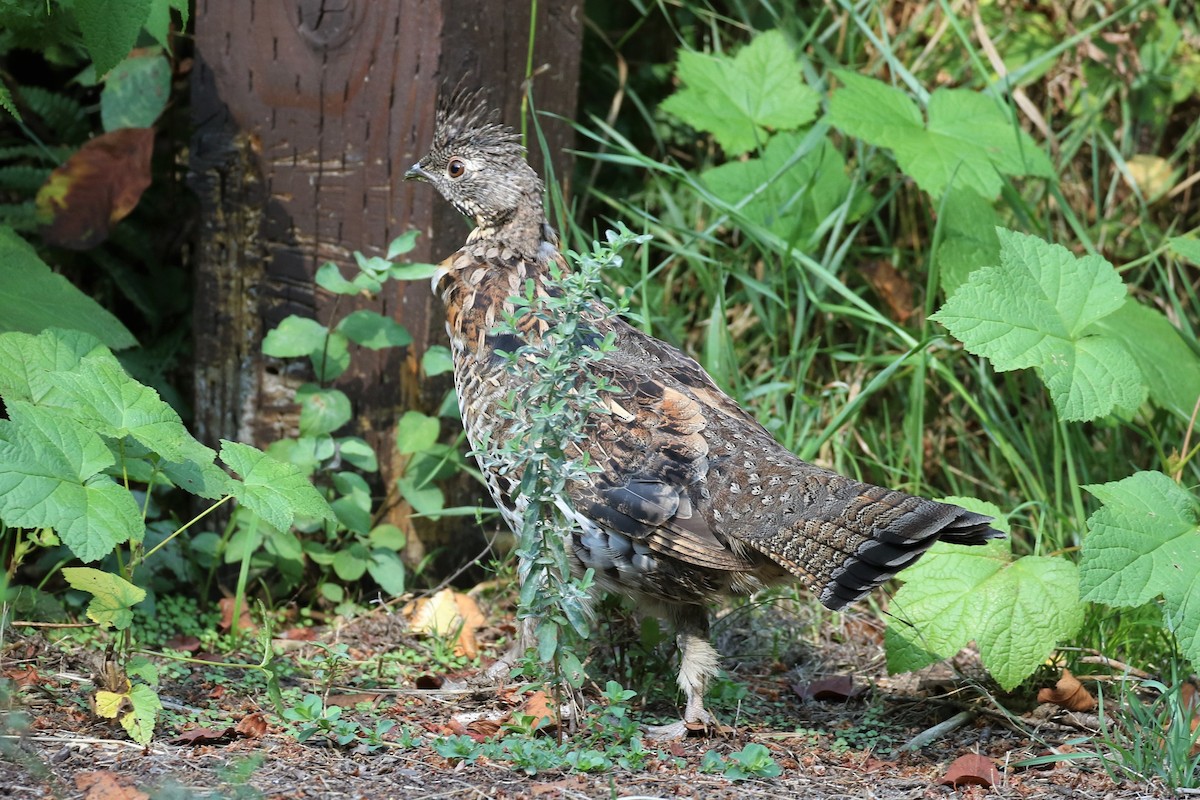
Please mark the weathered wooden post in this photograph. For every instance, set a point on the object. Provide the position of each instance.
(307, 114)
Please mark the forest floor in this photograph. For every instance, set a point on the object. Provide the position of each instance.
(219, 735)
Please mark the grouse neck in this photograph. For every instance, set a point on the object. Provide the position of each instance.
(522, 232)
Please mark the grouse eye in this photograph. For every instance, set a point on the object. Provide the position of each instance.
(456, 168)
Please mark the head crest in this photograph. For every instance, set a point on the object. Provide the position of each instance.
(464, 116)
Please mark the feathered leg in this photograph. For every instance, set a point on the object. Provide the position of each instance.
(698, 663)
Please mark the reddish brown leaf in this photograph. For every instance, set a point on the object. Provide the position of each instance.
(105, 785)
(244, 622)
(352, 699)
(183, 644)
(204, 736)
(540, 706)
(1189, 700)
(971, 769)
(252, 726)
(23, 677)
(837, 689)
(96, 188)
(298, 634)
(1068, 693)
(483, 729)
(892, 287)
(427, 681)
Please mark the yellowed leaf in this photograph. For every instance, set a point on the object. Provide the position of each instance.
(447, 613)
(110, 704)
(1152, 174)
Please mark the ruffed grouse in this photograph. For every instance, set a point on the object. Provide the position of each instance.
(693, 499)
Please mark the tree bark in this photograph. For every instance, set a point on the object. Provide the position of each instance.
(307, 114)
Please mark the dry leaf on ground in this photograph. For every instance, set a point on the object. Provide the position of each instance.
(971, 769)
(1068, 693)
(105, 785)
(252, 726)
(448, 613)
(839, 688)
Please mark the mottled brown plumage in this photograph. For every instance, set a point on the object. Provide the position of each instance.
(692, 498)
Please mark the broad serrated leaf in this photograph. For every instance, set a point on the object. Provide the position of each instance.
(113, 597)
(294, 337)
(1186, 247)
(100, 394)
(322, 410)
(1016, 611)
(1038, 309)
(967, 225)
(373, 330)
(1145, 543)
(139, 722)
(35, 298)
(110, 28)
(968, 140)
(416, 432)
(787, 189)
(1170, 368)
(273, 490)
(51, 476)
(739, 99)
(27, 361)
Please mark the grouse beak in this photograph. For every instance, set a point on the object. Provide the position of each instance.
(416, 173)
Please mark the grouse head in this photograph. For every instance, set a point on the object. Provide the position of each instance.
(477, 163)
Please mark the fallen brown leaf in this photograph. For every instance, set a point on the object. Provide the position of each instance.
(1068, 693)
(245, 623)
(252, 726)
(183, 644)
(540, 706)
(353, 699)
(204, 736)
(105, 785)
(971, 769)
(448, 613)
(23, 677)
(839, 689)
(893, 288)
(96, 188)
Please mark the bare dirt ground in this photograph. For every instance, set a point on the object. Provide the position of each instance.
(839, 747)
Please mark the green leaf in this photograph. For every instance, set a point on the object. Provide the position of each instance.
(27, 361)
(968, 237)
(329, 277)
(1145, 543)
(389, 536)
(158, 23)
(35, 298)
(739, 99)
(139, 723)
(1038, 309)
(1186, 247)
(1016, 611)
(322, 410)
(350, 563)
(351, 515)
(110, 28)
(1170, 368)
(426, 499)
(402, 244)
(968, 141)
(387, 570)
(50, 477)
(788, 190)
(358, 453)
(329, 363)
(412, 272)
(437, 361)
(135, 92)
(416, 432)
(294, 337)
(113, 597)
(273, 490)
(373, 330)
